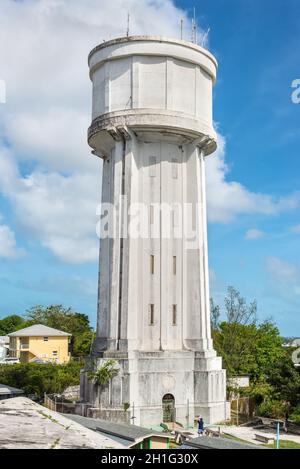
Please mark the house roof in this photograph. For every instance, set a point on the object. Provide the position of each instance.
(205, 442)
(38, 330)
(125, 433)
(7, 390)
(24, 424)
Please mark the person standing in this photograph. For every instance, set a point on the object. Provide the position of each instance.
(200, 426)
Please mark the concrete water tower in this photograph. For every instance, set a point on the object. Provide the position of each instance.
(152, 126)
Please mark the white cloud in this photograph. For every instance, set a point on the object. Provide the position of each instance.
(254, 234)
(285, 277)
(295, 229)
(281, 270)
(58, 210)
(43, 57)
(8, 245)
(229, 199)
(44, 46)
(56, 139)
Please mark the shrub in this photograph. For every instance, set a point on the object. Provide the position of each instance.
(272, 408)
(38, 379)
(105, 373)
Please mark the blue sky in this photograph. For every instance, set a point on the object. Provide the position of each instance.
(50, 185)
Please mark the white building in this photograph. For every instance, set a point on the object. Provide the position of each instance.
(152, 126)
(4, 346)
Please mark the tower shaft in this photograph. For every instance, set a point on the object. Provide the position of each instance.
(152, 126)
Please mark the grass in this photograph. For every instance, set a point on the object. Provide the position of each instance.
(284, 444)
(47, 416)
(56, 442)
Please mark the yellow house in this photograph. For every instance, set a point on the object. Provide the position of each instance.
(40, 342)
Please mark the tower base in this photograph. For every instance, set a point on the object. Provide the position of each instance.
(158, 387)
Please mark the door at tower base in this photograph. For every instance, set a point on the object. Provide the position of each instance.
(195, 380)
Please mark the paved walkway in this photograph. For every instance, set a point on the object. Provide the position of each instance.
(248, 434)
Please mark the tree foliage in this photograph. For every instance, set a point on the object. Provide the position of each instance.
(59, 317)
(11, 323)
(105, 373)
(256, 349)
(237, 310)
(39, 379)
(248, 349)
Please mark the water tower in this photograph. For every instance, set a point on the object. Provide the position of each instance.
(152, 126)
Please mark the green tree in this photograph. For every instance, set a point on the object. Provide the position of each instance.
(58, 317)
(38, 379)
(248, 349)
(256, 349)
(82, 344)
(285, 379)
(11, 323)
(105, 373)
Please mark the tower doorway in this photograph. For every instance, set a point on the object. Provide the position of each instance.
(168, 404)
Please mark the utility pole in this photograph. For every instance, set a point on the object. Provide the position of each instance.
(278, 436)
(188, 414)
(133, 416)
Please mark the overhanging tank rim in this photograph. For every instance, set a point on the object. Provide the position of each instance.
(180, 42)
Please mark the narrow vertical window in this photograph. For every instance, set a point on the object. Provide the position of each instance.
(174, 265)
(151, 315)
(152, 264)
(174, 315)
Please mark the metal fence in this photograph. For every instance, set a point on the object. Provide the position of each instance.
(58, 404)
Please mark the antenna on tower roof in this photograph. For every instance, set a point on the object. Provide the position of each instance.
(128, 24)
(181, 28)
(205, 36)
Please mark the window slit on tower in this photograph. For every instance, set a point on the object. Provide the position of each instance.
(174, 265)
(152, 264)
(174, 315)
(151, 314)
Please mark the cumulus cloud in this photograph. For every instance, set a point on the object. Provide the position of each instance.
(56, 139)
(47, 174)
(254, 234)
(285, 275)
(57, 209)
(295, 229)
(229, 199)
(282, 270)
(44, 46)
(8, 245)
